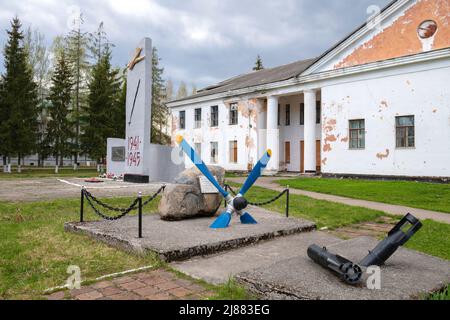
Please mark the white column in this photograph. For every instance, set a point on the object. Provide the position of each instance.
(262, 127)
(310, 131)
(273, 134)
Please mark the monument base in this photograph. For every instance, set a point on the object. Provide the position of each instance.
(135, 178)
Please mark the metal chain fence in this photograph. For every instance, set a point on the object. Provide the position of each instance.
(92, 200)
(260, 204)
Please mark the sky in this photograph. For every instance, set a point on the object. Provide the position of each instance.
(202, 42)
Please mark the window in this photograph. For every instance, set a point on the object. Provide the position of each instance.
(357, 134)
(288, 115)
(214, 116)
(182, 120)
(279, 115)
(198, 118)
(318, 111)
(302, 114)
(233, 151)
(405, 132)
(198, 149)
(214, 152)
(233, 114)
(287, 152)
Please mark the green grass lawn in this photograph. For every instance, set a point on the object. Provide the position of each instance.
(432, 239)
(35, 251)
(421, 195)
(49, 173)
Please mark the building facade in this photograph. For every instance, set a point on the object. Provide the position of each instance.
(375, 104)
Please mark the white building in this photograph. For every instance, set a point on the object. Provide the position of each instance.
(375, 104)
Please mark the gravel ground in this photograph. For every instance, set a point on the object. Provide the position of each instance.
(31, 190)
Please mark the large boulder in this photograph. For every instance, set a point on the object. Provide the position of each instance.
(184, 199)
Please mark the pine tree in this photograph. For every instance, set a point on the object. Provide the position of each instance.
(77, 47)
(159, 109)
(119, 111)
(18, 99)
(4, 113)
(103, 89)
(258, 64)
(59, 132)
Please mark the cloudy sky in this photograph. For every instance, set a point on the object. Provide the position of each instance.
(203, 41)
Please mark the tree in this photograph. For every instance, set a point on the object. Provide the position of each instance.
(77, 46)
(119, 111)
(194, 89)
(59, 132)
(39, 61)
(103, 89)
(258, 64)
(182, 91)
(160, 113)
(98, 43)
(18, 99)
(169, 90)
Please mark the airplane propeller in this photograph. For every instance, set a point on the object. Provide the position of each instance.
(237, 204)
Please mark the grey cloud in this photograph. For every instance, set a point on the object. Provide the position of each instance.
(204, 41)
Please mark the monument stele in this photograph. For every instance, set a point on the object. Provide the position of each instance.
(139, 113)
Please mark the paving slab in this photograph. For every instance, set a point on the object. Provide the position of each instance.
(181, 240)
(407, 275)
(219, 268)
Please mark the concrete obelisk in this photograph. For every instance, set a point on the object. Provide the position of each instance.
(139, 113)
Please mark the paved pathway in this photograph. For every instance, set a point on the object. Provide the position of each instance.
(153, 285)
(269, 183)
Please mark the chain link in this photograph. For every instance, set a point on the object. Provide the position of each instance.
(260, 204)
(103, 216)
(123, 212)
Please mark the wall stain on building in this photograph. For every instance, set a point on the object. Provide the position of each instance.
(382, 155)
(329, 128)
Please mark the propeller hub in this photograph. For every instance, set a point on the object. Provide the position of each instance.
(240, 203)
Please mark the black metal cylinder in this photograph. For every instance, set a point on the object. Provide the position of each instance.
(397, 237)
(287, 202)
(82, 205)
(343, 268)
(140, 216)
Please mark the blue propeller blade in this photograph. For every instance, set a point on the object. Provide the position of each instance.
(200, 164)
(246, 218)
(222, 222)
(256, 173)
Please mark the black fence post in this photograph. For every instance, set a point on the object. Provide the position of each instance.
(140, 214)
(82, 204)
(225, 200)
(287, 202)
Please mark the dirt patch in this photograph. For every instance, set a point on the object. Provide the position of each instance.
(376, 229)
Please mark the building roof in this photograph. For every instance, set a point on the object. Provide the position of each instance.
(255, 78)
(266, 76)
